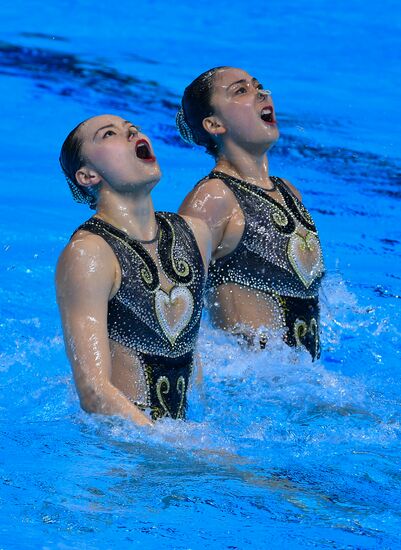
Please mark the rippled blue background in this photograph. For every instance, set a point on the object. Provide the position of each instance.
(278, 452)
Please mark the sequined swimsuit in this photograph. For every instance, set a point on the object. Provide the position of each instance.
(267, 257)
(137, 314)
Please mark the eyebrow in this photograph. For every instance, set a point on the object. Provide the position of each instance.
(111, 125)
(242, 81)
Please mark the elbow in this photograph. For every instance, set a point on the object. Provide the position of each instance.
(91, 400)
(89, 406)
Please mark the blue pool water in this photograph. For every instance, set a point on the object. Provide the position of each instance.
(278, 452)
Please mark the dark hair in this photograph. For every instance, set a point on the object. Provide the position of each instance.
(195, 106)
(71, 160)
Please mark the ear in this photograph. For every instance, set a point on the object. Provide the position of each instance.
(87, 177)
(213, 126)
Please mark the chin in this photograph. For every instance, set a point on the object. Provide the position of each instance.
(273, 138)
(154, 178)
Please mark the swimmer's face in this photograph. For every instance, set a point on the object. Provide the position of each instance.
(245, 113)
(117, 152)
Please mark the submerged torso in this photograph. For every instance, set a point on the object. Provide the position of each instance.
(153, 318)
(272, 277)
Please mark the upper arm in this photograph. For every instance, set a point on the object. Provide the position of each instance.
(85, 277)
(213, 203)
(203, 237)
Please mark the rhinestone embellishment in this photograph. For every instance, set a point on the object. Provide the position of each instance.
(163, 388)
(310, 243)
(174, 311)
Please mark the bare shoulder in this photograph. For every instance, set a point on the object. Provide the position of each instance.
(293, 189)
(215, 204)
(83, 249)
(211, 195)
(87, 258)
(213, 186)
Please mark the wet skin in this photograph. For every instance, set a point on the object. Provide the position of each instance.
(243, 139)
(108, 376)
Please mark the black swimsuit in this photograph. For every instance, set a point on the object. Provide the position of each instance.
(137, 314)
(267, 257)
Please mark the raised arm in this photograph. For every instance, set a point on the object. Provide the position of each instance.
(85, 281)
(203, 238)
(213, 203)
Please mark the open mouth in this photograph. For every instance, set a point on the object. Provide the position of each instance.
(143, 151)
(267, 115)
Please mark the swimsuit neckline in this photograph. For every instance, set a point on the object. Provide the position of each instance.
(291, 202)
(123, 235)
(274, 179)
(264, 193)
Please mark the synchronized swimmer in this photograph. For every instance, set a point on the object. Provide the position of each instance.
(267, 262)
(131, 282)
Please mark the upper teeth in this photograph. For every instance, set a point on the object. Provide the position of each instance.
(266, 110)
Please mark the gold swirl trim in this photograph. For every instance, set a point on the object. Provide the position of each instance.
(146, 275)
(181, 388)
(300, 330)
(276, 210)
(163, 386)
(279, 218)
(181, 267)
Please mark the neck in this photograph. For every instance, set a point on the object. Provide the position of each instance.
(134, 215)
(246, 165)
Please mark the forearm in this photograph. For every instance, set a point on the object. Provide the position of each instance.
(104, 398)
